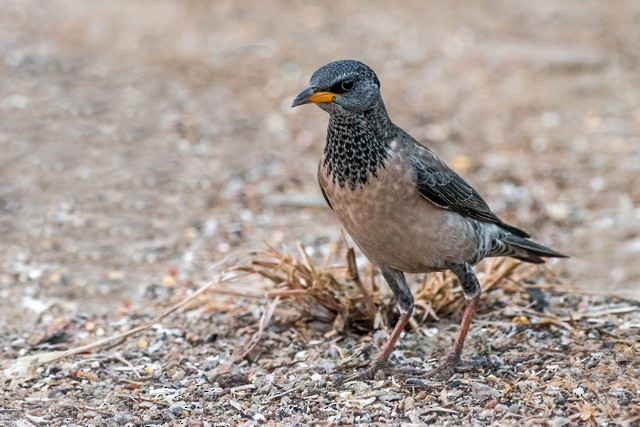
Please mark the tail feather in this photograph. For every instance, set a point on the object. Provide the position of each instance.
(514, 230)
(526, 250)
(505, 240)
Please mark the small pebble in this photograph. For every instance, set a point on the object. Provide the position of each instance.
(578, 391)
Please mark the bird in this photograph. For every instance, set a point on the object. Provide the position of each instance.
(405, 209)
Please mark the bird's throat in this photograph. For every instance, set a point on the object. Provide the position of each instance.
(356, 149)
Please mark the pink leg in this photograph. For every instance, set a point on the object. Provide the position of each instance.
(471, 289)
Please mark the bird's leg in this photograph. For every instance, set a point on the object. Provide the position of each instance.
(471, 290)
(401, 291)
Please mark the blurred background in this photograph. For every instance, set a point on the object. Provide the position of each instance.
(142, 142)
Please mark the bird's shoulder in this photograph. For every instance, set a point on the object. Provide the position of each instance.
(442, 186)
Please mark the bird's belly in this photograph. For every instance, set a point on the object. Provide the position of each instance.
(394, 225)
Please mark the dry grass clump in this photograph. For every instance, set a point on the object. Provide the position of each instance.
(340, 294)
(337, 294)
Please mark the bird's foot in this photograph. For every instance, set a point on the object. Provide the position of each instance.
(364, 374)
(433, 377)
(442, 373)
(377, 370)
(439, 374)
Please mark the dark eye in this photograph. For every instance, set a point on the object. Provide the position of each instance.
(343, 86)
(347, 85)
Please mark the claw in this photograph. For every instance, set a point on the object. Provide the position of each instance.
(448, 368)
(364, 375)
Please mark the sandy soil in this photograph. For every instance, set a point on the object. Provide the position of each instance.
(142, 143)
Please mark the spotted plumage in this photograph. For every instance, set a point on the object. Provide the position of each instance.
(353, 152)
(403, 206)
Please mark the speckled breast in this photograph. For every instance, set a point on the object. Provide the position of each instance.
(393, 224)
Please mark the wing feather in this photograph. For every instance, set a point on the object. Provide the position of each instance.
(446, 189)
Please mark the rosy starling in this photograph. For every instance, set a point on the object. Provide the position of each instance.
(404, 207)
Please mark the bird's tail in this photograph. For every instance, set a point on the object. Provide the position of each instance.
(524, 249)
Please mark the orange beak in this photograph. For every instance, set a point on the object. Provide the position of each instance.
(311, 96)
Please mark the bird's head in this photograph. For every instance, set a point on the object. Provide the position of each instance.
(345, 86)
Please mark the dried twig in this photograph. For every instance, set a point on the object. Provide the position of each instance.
(241, 352)
(25, 364)
(354, 276)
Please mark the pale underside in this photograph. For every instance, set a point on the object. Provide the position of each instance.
(394, 224)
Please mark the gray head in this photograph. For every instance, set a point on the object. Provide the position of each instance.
(340, 87)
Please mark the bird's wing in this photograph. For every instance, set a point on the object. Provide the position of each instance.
(324, 193)
(446, 189)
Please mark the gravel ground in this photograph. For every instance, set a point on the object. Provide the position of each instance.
(191, 369)
(145, 145)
